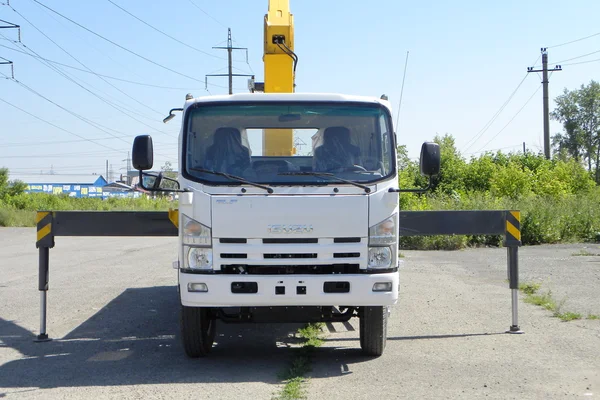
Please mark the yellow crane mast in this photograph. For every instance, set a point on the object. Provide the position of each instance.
(280, 64)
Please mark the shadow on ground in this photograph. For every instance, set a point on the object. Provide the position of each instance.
(135, 340)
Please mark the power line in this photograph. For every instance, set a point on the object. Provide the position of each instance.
(90, 70)
(575, 58)
(163, 33)
(63, 168)
(207, 14)
(56, 126)
(68, 155)
(401, 92)
(105, 76)
(90, 44)
(224, 26)
(498, 149)
(77, 60)
(583, 62)
(50, 143)
(64, 75)
(573, 41)
(78, 116)
(71, 79)
(479, 134)
(118, 45)
(511, 120)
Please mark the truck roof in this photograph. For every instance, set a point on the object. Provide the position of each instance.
(331, 97)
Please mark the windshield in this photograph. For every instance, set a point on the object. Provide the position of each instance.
(284, 143)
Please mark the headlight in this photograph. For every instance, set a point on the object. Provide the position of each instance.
(199, 258)
(380, 258)
(385, 232)
(195, 233)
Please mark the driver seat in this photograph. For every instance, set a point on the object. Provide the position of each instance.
(227, 153)
(336, 152)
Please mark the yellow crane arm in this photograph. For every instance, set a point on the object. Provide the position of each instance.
(279, 70)
(279, 33)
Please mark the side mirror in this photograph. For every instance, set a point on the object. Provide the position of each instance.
(142, 154)
(430, 159)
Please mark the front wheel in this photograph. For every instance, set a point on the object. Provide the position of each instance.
(198, 329)
(373, 330)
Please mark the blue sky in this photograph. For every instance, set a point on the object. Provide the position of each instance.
(466, 58)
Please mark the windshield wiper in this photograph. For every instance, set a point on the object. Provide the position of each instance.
(328, 176)
(233, 178)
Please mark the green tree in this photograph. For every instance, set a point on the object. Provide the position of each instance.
(579, 112)
(9, 188)
(452, 167)
(479, 173)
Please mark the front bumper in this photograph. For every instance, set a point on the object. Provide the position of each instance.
(311, 292)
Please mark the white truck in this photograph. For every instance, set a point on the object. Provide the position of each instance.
(302, 237)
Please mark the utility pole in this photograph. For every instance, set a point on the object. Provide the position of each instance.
(544, 72)
(230, 73)
(128, 161)
(4, 61)
(9, 25)
(106, 177)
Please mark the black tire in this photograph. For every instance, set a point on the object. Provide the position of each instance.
(198, 329)
(373, 330)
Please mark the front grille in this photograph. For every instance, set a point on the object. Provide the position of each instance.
(234, 255)
(232, 240)
(290, 255)
(346, 255)
(290, 269)
(346, 240)
(290, 240)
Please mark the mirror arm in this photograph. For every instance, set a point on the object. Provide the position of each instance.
(158, 181)
(142, 182)
(171, 115)
(392, 190)
(161, 190)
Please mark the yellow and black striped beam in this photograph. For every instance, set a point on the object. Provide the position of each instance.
(45, 235)
(463, 222)
(174, 217)
(105, 223)
(513, 227)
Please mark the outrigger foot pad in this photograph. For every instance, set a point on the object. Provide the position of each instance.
(42, 338)
(515, 329)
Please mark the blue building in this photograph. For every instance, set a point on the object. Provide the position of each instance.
(69, 185)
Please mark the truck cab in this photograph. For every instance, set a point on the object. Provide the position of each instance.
(272, 231)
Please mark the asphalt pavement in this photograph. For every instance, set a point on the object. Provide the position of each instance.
(113, 315)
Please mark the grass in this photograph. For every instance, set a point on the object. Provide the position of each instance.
(545, 300)
(294, 376)
(11, 217)
(19, 211)
(529, 288)
(544, 219)
(585, 253)
(568, 316)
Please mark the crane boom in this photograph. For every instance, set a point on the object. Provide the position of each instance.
(279, 33)
(279, 59)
